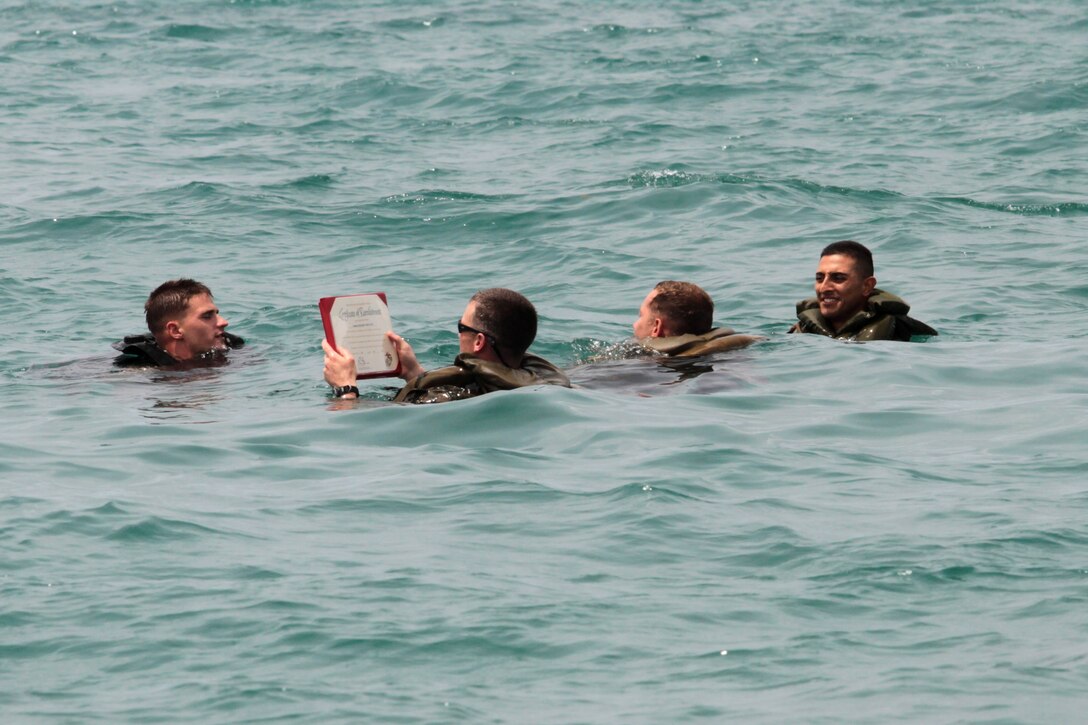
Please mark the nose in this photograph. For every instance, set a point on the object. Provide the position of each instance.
(222, 322)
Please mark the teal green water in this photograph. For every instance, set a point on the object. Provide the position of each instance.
(805, 530)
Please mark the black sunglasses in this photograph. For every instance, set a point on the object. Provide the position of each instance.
(462, 327)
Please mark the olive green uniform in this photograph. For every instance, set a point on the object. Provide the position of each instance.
(470, 376)
(717, 340)
(884, 318)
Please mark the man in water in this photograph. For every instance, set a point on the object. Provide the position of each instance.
(676, 319)
(848, 305)
(494, 333)
(185, 327)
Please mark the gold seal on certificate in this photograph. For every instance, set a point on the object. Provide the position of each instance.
(358, 323)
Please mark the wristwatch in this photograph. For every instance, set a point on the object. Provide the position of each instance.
(341, 390)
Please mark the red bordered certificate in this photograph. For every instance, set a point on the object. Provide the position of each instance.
(358, 323)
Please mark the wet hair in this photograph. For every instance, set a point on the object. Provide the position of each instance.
(686, 306)
(170, 300)
(863, 258)
(508, 317)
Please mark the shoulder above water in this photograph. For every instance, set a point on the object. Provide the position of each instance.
(470, 376)
(884, 318)
(719, 339)
(141, 350)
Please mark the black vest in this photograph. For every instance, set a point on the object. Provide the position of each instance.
(142, 351)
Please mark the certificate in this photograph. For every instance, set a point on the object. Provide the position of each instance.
(358, 323)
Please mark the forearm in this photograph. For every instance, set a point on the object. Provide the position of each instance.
(410, 369)
(410, 372)
(340, 372)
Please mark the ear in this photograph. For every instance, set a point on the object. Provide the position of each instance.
(868, 285)
(658, 328)
(478, 343)
(173, 330)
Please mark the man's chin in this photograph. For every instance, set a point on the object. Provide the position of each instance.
(217, 348)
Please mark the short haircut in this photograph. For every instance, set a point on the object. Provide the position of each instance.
(507, 316)
(863, 258)
(686, 307)
(169, 302)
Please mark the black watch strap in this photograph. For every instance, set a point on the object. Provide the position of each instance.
(341, 390)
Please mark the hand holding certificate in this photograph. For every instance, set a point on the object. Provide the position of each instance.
(358, 324)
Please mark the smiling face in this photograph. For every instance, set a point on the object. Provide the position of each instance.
(200, 329)
(840, 288)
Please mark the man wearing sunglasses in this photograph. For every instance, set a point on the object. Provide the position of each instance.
(494, 334)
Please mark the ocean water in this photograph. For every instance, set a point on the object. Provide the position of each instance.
(805, 530)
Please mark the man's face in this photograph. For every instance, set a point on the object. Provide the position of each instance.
(647, 320)
(467, 339)
(841, 291)
(201, 327)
